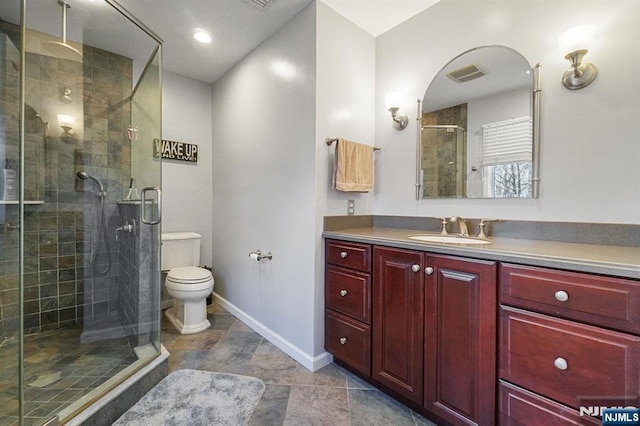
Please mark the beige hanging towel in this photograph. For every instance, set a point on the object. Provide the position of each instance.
(353, 166)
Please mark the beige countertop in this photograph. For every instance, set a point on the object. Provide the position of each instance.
(593, 258)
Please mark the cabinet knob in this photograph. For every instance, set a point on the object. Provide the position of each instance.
(561, 296)
(343, 340)
(428, 270)
(343, 293)
(343, 254)
(415, 268)
(561, 364)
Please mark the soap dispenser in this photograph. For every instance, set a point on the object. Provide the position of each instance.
(10, 182)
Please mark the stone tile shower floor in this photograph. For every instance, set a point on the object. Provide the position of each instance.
(82, 367)
(294, 395)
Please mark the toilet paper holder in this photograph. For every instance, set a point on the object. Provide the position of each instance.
(258, 256)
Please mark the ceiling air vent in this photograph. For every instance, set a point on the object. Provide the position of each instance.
(464, 74)
(261, 4)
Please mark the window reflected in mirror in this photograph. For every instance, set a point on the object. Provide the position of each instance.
(477, 127)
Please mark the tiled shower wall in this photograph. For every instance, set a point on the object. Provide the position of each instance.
(439, 160)
(61, 286)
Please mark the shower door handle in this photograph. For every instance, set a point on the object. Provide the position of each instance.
(143, 202)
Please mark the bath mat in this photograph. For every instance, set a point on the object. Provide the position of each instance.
(197, 398)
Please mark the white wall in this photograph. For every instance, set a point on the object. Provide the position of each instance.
(590, 144)
(186, 187)
(345, 101)
(264, 183)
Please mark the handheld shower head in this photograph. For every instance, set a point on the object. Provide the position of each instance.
(84, 176)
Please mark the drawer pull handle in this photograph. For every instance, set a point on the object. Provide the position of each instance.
(343, 254)
(415, 268)
(561, 296)
(343, 293)
(428, 270)
(343, 340)
(561, 364)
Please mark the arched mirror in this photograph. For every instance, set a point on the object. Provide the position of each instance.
(479, 129)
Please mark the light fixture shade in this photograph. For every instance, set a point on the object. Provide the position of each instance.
(576, 38)
(575, 43)
(65, 120)
(392, 100)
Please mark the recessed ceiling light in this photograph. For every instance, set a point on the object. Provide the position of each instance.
(202, 36)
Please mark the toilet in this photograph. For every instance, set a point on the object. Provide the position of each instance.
(188, 284)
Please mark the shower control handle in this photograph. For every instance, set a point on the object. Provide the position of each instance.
(127, 227)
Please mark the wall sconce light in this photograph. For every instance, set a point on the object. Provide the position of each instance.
(66, 122)
(392, 100)
(575, 41)
(65, 95)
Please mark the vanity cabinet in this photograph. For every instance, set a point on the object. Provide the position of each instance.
(398, 317)
(565, 337)
(348, 304)
(419, 324)
(460, 339)
(479, 342)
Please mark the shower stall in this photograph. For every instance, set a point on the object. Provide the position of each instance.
(444, 161)
(80, 96)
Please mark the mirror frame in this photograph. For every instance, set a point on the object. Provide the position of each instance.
(535, 134)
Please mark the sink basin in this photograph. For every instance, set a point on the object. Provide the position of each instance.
(448, 239)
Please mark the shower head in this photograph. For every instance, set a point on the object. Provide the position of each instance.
(62, 49)
(84, 176)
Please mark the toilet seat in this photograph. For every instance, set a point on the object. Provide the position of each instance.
(189, 275)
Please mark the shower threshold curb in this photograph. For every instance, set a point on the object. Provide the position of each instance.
(118, 390)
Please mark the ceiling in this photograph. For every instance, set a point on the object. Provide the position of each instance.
(236, 26)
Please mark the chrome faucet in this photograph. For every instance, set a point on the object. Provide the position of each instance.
(462, 225)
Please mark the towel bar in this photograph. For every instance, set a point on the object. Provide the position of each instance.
(330, 141)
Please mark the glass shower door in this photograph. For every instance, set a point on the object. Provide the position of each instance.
(10, 220)
(79, 272)
(444, 161)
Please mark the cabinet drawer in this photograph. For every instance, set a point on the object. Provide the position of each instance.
(605, 301)
(564, 360)
(519, 407)
(350, 255)
(348, 340)
(348, 292)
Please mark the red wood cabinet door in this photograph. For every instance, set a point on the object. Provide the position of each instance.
(460, 339)
(398, 318)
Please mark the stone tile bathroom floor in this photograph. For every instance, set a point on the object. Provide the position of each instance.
(81, 366)
(294, 395)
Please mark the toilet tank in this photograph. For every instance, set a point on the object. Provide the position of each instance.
(180, 249)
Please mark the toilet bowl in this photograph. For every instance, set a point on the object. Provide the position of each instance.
(189, 286)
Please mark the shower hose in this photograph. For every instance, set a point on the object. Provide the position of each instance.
(102, 238)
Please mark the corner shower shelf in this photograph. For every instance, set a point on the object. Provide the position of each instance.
(26, 202)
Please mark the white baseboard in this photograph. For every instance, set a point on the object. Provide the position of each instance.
(309, 362)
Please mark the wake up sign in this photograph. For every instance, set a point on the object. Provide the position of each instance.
(172, 150)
